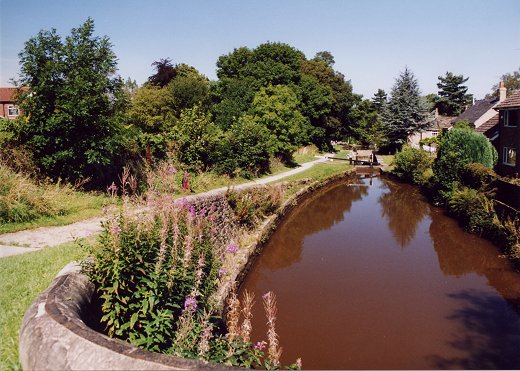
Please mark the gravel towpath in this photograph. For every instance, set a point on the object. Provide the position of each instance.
(35, 239)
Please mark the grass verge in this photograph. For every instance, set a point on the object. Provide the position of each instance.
(22, 279)
(321, 171)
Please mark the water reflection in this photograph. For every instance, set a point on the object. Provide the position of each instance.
(402, 210)
(488, 334)
(354, 300)
(461, 253)
(317, 213)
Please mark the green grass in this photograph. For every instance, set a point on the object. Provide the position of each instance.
(388, 159)
(22, 279)
(76, 205)
(321, 171)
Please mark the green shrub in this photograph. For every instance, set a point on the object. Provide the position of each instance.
(473, 209)
(195, 139)
(146, 270)
(477, 176)
(460, 146)
(243, 150)
(413, 165)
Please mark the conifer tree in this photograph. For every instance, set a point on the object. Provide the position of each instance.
(380, 100)
(405, 113)
(453, 97)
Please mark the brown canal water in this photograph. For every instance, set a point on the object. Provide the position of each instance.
(373, 277)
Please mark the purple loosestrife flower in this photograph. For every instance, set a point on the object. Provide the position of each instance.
(171, 170)
(232, 248)
(115, 229)
(260, 345)
(190, 304)
(222, 272)
(192, 212)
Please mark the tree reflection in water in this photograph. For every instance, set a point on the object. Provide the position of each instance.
(401, 207)
(461, 253)
(488, 336)
(317, 213)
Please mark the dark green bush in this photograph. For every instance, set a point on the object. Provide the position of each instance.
(458, 147)
(473, 210)
(413, 165)
(477, 176)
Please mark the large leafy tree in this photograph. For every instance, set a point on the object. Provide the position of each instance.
(74, 104)
(244, 71)
(335, 123)
(276, 108)
(405, 113)
(367, 126)
(453, 97)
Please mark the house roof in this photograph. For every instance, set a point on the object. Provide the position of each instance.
(489, 127)
(9, 94)
(474, 112)
(439, 122)
(443, 122)
(512, 101)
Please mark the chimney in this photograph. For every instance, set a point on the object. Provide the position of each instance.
(502, 91)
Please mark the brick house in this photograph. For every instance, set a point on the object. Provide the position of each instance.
(8, 107)
(509, 136)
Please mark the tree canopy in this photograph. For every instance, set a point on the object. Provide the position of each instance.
(453, 97)
(74, 103)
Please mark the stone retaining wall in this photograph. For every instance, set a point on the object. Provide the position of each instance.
(53, 335)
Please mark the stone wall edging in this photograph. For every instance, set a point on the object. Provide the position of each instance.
(54, 336)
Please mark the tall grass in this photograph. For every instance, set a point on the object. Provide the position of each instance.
(21, 200)
(25, 204)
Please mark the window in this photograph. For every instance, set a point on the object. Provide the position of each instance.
(435, 133)
(12, 111)
(509, 156)
(511, 117)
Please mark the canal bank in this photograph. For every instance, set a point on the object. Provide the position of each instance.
(54, 334)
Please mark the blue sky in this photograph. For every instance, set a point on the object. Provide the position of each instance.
(372, 40)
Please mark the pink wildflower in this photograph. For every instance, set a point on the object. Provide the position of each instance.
(190, 304)
(232, 248)
(222, 272)
(115, 229)
(186, 182)
(191, 212)
(260, 345)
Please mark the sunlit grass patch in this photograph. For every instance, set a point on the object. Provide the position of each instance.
(22, 279)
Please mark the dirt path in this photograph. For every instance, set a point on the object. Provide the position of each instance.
(35, 239)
